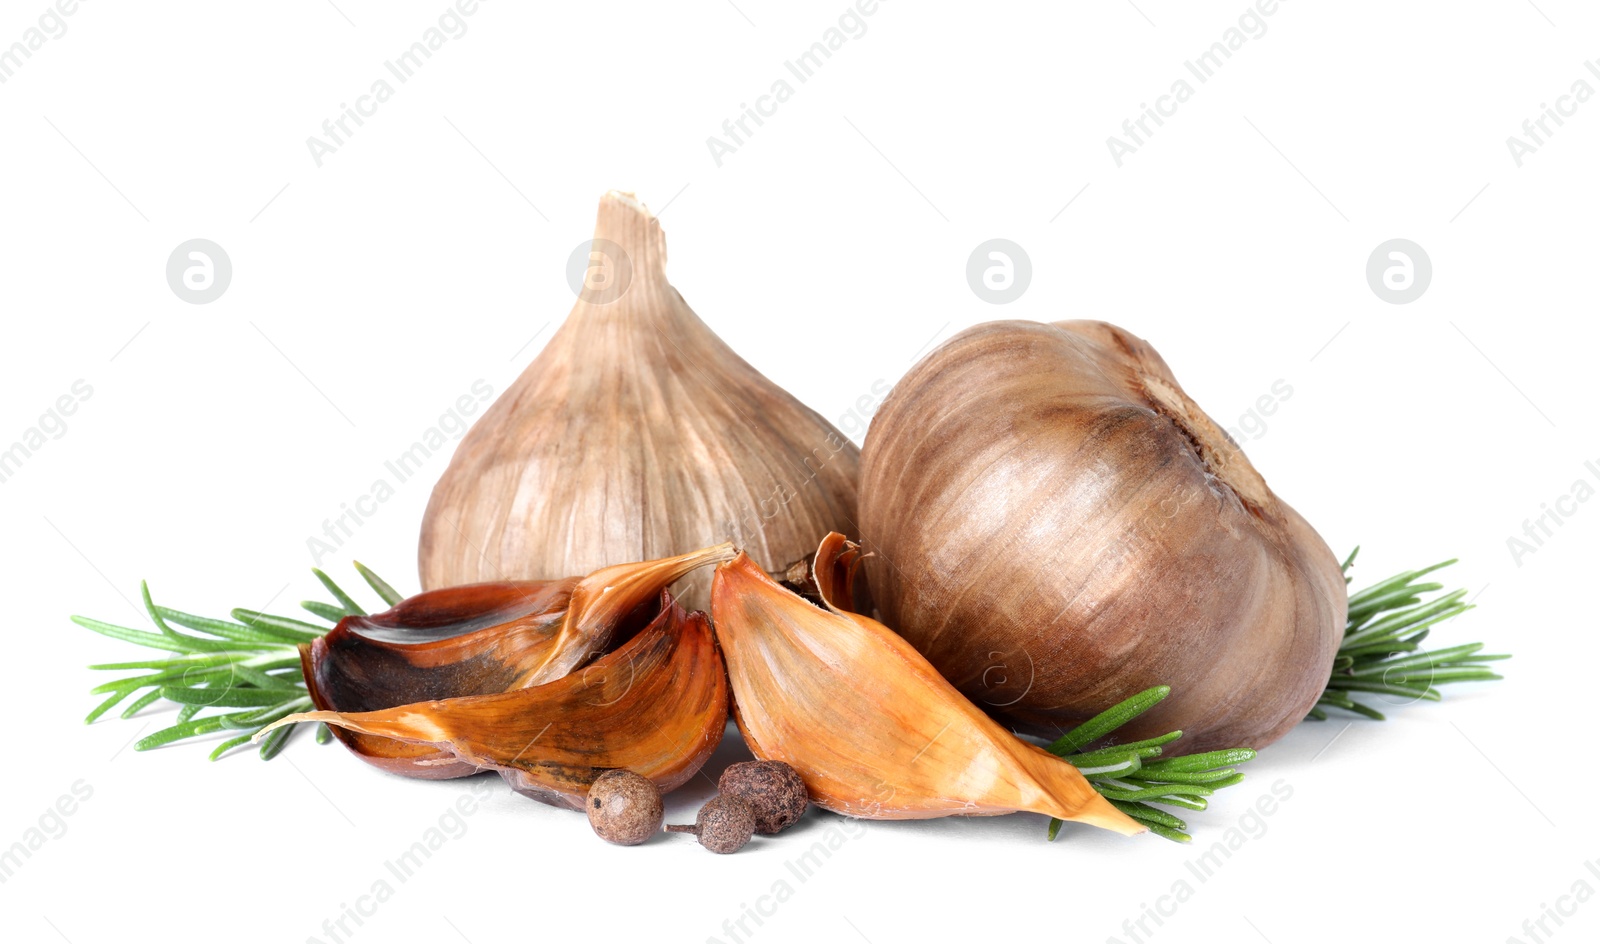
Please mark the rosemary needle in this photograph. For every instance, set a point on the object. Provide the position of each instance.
(1380, 655)
(225, 675)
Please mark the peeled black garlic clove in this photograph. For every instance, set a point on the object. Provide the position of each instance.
(657, 706)
(477, 640)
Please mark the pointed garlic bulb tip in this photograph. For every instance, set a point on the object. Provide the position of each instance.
(625, 222)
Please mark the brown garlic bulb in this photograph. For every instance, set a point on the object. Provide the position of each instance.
(1057, 526)
(637, 433)
(656, 706)
(869, 725)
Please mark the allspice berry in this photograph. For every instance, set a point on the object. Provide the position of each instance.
(723, 825)
(624, 807)
(773, 789)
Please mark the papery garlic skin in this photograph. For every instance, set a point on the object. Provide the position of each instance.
(869, 725)
(637, 433)
(1057, 526)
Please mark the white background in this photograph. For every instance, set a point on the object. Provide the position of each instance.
(829, 250)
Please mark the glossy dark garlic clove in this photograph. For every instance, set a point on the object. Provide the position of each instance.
(657, 706)
(478, 640)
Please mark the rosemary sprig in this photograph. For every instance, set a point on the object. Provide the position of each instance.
(247, 669)
(1133, 776)
(1380, 654)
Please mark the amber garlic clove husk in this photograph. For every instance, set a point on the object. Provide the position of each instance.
(656, 706)
(635, 433)
(873, 730)
(477, 640)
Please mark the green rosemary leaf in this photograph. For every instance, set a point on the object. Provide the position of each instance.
(351, 607)
(231, 743)
(1363, 598)
(324, 733)
(1442, 675)
(301, 632)
(257, 676)
(183, 729)
(198, 660)
(1109, 720)
(223, 697)
(1138, 792)
(1383, 688)
(1202, 762)
(106, 706)
(137, 636)
(1207, 777)
(276, 740)
(1436, 657)
(1149, 814)
(1055, 829)
(379, 586)
(251, 664)
(142, 702)
(1197, 803)
(322, 610)
(1119, 768)
(226, 629)
(1175, 835)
